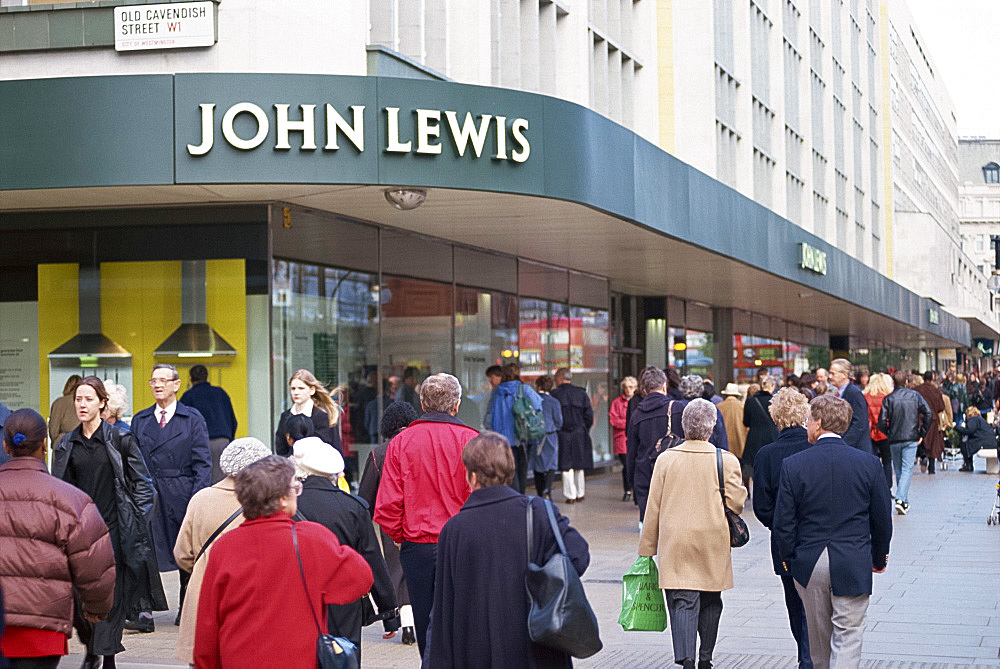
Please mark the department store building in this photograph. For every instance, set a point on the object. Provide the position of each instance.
(258, 223)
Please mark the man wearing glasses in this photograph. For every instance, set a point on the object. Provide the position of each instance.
(173, 439)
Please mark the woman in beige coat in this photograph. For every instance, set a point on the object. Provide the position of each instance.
(206, 512)
(686, 527)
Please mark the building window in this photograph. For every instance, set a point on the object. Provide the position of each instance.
(991, 173)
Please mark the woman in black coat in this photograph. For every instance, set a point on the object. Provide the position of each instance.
(762, 431)
(980, 435)
(310, 398)
(318, 465)
(395, 418)
(107, 465)
(480, 604)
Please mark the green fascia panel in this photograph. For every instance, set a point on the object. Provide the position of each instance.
(31, 31)
(105, 131)
(86, 131)
(6, 32)
(588, 158)
(66, 28)
(99, 27)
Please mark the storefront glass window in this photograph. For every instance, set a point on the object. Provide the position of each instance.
(699, 353)
(589, 364)
(416, 334)
(544, 338)
(485, 334)
(677, 349)
(325, 320)
(751, 354)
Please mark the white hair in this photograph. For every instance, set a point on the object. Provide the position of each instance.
(698, 419)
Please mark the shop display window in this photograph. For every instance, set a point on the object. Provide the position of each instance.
(485, 334)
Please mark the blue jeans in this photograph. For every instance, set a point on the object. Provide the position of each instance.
(903, 453)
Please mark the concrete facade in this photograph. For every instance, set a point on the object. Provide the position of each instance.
(979, 193)
(927, 252)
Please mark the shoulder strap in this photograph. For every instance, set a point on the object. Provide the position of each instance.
(722, 487)
(218, 531)
(302, 573)
(670, 418)
(555, 526)
(531, 527)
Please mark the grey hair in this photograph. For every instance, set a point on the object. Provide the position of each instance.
(653, 379)
(117, 399)
(692, 386)
(167, 365)
(845, 365)
(440, 392)
(698, 419)
(564, 373)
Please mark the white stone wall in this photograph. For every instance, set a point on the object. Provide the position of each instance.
(305, 36)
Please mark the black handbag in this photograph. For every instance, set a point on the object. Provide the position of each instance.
(559, 616)
(332, 652)
(739, 533)
(668, 440)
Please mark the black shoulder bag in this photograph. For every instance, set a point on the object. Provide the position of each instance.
(332, 652)
(668, 440)
(559, 616)
(739, 533)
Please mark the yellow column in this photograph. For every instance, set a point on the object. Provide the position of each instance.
(886, 139)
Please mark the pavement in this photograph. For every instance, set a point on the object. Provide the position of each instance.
(937, 605)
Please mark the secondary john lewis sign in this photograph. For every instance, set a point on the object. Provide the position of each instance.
(433, 129)
(172, 26)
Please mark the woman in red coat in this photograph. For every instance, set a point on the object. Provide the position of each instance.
(617, 414)
(254, 608)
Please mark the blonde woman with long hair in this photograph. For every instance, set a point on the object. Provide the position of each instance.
(879, 385)
(310, 398)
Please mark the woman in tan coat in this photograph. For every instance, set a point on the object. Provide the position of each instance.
(207, 511)
(686, 527)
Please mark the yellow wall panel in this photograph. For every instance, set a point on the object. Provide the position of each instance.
(58, 318)
(226, 306)
(140, 307)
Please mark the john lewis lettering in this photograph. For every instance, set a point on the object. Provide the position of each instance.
(469, 133)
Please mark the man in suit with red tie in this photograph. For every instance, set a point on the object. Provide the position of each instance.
(173, 439)
(832, 525)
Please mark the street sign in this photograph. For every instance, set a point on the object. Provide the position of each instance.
(171, 26)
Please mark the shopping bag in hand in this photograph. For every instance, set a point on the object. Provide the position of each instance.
(643, 609)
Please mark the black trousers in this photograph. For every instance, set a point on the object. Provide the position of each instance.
(520, 481)
(885, 455)
(184, 577)
(418, 562)
(626, 479)
(543, 482)
(47, 662)
(797, 621)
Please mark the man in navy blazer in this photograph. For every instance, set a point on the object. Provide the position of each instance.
(173, 439)
(832, 525)
(859, 433)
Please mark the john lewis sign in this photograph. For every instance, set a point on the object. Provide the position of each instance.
(434, 128)
(170, 26)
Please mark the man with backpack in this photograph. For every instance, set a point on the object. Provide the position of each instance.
(515, 411)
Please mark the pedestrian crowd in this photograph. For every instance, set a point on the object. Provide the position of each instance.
(280, 565)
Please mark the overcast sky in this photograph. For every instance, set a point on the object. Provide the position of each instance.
(962, 36)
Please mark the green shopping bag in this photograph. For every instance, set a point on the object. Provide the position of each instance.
(643, 608)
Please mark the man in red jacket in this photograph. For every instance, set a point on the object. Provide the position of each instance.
(423, 485)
